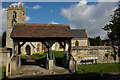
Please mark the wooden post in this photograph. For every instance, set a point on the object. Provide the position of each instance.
(10, 68)
(50, 53)
(64, 47)
(13, 47)
(19, 48)
(69, 49)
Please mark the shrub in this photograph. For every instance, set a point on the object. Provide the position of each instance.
(23, 56)
(2, 69)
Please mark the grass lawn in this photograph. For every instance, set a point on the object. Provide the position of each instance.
(99, 68)
(57, 54)
(39, 56)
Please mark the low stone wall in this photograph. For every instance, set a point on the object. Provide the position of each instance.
(4, 56)
(94, 51)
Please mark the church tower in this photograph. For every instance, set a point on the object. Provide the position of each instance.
(15, 14)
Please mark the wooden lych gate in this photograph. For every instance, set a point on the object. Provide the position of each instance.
(48, 34)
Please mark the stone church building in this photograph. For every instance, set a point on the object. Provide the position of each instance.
(17, 14)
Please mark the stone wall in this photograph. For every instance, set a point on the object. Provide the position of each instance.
(4, 56)
(94, 51)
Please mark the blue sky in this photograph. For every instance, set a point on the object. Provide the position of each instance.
(46, 13)
(91, 16)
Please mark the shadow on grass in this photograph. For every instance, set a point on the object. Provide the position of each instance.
(87, 76)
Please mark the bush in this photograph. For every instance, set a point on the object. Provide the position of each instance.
(23, 56)
(2, 70)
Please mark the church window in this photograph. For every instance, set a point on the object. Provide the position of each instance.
(38, 47)
(76, 43)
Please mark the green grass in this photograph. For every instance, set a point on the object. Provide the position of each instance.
(39, 56)
(2, 71)
(58, 54)
(99, 68)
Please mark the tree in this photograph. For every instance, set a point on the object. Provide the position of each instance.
(95, 41)
(113, 28)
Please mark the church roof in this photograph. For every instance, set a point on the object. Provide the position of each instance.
(22, 30)
(79, 33)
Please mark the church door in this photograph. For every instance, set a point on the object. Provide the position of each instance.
(28, 50)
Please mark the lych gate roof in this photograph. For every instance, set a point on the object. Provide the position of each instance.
(22, 30)
(79, 33)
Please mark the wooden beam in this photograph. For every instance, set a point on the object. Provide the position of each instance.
(22, 44)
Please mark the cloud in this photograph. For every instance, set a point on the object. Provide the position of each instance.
(108, 0)
(90, 17)
(51, 10)
(53, 22)
(82, 2)
(27, 18)
(3, 16)
(36, 7)
(17, 4)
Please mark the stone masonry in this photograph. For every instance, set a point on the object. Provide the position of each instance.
(94, 51)
(15, 14)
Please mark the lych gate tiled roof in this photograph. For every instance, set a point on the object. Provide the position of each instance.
(79, 33)
(40, 31)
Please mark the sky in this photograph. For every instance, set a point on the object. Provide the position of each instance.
(92, 16)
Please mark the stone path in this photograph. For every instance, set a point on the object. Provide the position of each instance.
(60, 70)
(34, 70)
(30, 70)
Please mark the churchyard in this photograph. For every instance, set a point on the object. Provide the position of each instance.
(105, 68)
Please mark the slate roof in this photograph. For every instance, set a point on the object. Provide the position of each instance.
(79, 33)
(24, 30)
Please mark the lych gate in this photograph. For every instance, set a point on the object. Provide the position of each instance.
(48, 34)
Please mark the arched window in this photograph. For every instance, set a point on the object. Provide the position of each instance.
(38, 47)
(28, 50)
(14, 15)
(76, 43)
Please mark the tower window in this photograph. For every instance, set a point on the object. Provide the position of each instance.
(14, 15)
